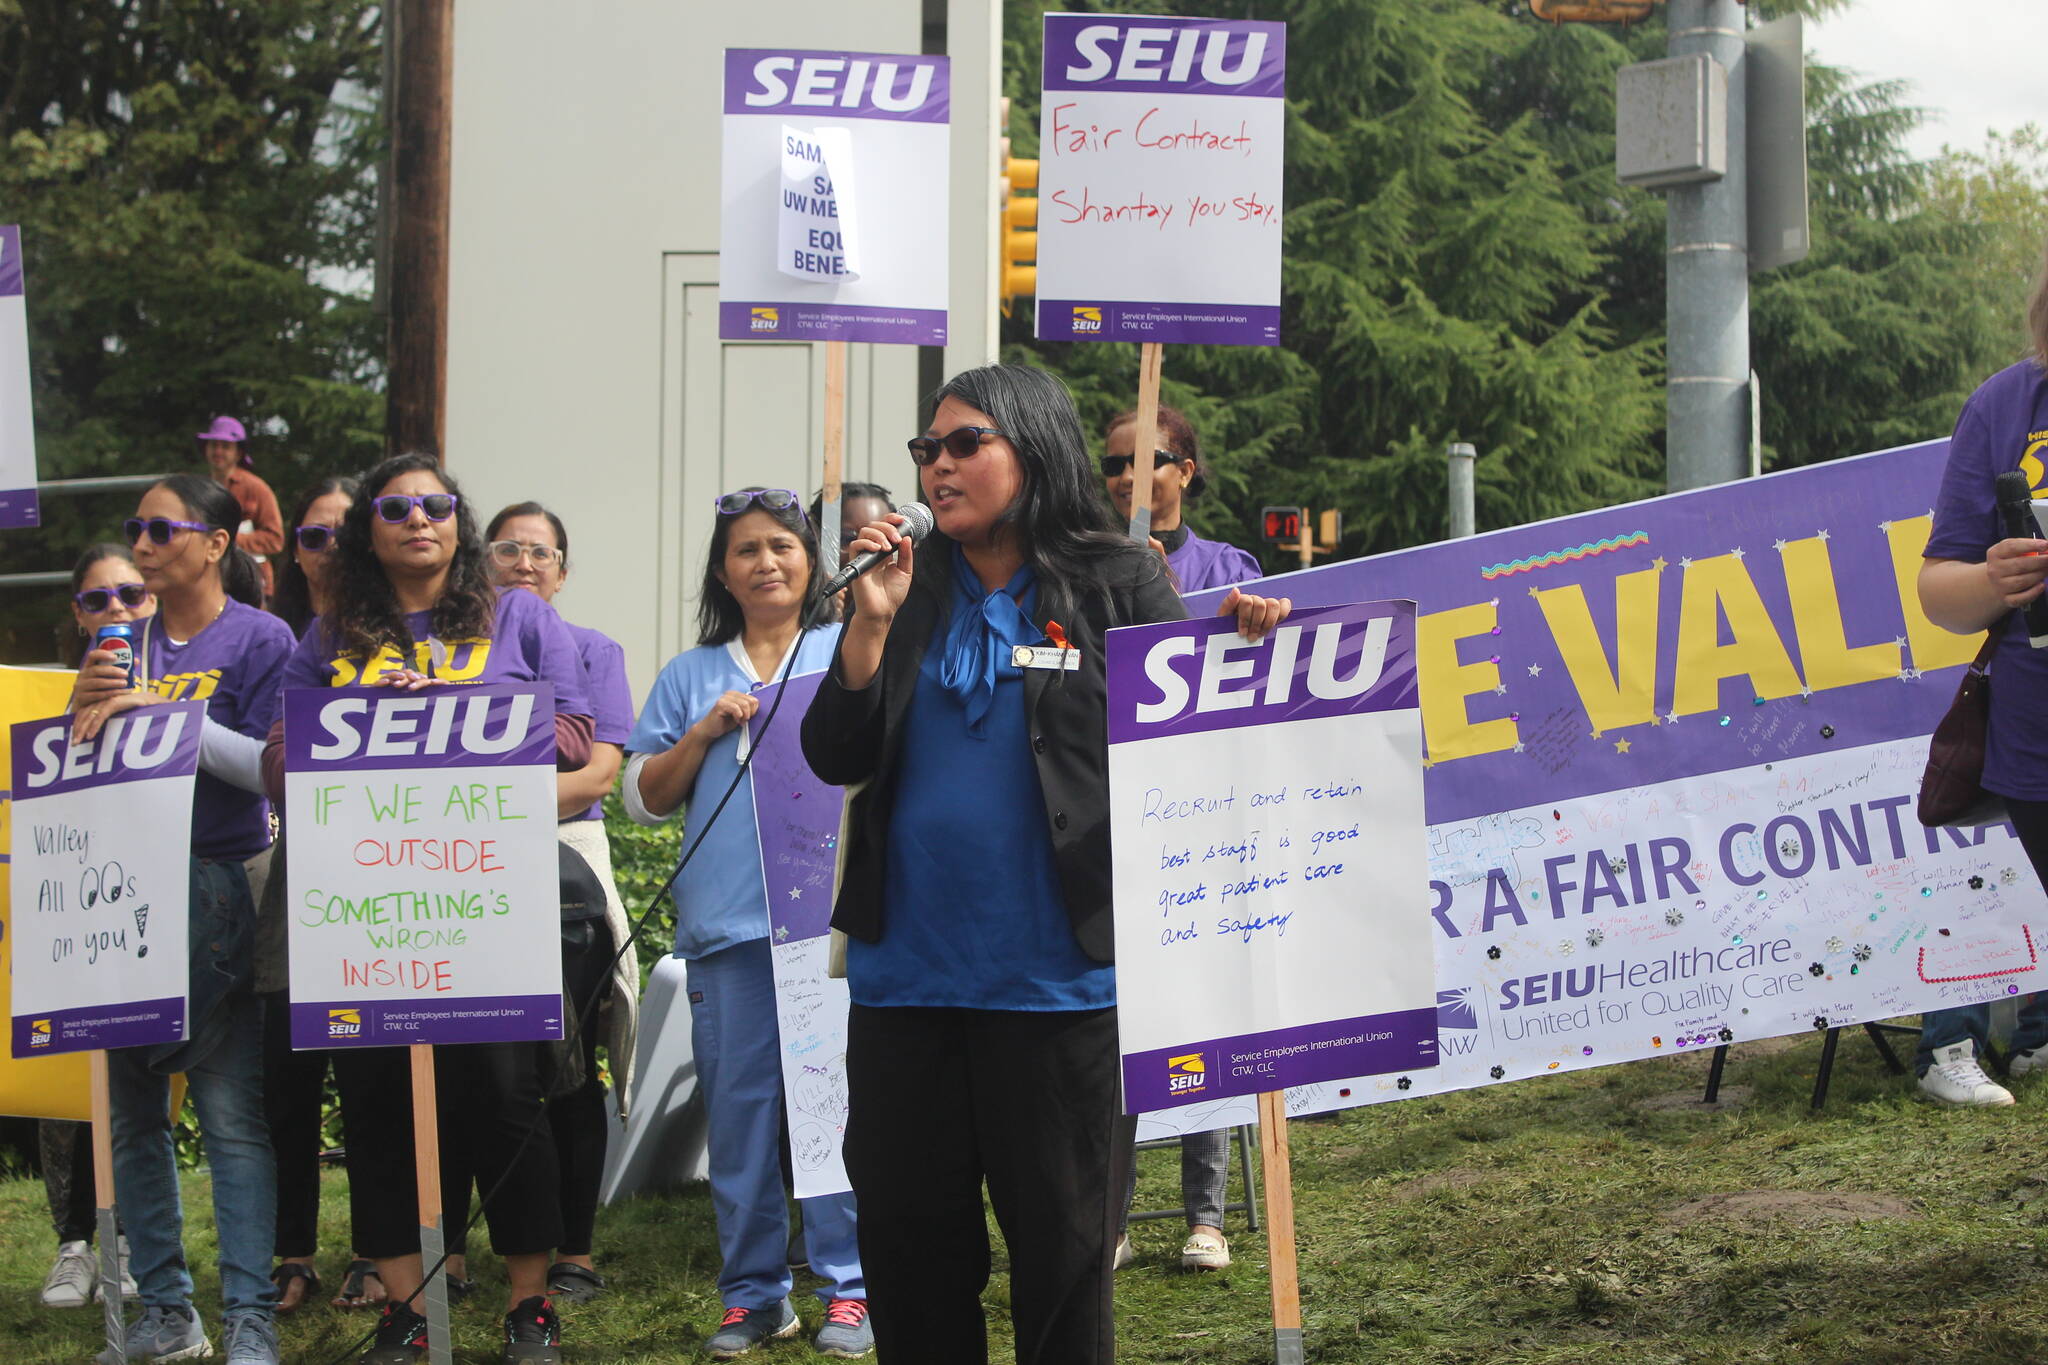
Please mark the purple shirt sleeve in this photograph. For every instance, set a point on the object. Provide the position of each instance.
(543, 644)
(604, 670)
(1965, 514)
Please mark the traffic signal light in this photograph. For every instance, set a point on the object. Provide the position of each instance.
(1016, 226)
(1282, 525)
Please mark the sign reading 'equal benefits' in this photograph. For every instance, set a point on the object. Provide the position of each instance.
(424, 880)
(1160, 153)
(100, 879)
(1267, 843)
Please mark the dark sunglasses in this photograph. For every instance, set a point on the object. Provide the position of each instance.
(960, 443)
(160, 529)
(1113, 466)
(397, 507)
(315, 539)
(771, 499)
(93, 601)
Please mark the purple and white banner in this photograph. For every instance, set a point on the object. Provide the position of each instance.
(1266, 817)
(827, 231)
(18, 504)
(1161, 149)
(100, 879)
(797, 817)
(424, 902)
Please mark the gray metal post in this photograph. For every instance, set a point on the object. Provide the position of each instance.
(1707, 277)
(1459, 456)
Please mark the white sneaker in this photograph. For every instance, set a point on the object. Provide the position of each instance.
(1955, 1078)
(70, 1281)
(128, 1290)
(1125, 1253)
(2026, 1063)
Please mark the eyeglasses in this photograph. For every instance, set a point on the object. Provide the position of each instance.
(397, 507)
(960, 443)
(1113, 466)
(314, 538)
(771, 499)
(160, 529)
(93, 601)
(510, 552)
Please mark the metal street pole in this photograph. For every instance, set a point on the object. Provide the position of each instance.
(1707, 276)
(1460, 456)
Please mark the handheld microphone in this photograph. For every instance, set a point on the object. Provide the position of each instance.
(917, 524)
(2016, 509)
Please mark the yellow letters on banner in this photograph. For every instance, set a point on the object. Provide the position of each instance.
(1447, 727)
(1933, 647)
(1626, 692)
(1713, 586)
(1824, 649)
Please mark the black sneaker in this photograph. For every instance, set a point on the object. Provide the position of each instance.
(401, 1338)
(533, 1334)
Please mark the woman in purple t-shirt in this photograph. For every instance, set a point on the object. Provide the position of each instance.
(414, 607)
(1176, 477)
(210, 642)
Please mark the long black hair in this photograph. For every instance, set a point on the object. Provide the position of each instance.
(366, 616)
(293, 600)
(211, 503)
(1063, 527)
(719, 618)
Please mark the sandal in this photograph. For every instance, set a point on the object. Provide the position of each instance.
(576, 1283)
(354, 1292)
(284, 1274)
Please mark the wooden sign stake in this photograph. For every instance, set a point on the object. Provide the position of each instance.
(1145, 438)
(835, 456)
(1286, 1275)
(426, 1150)
(109, 1222)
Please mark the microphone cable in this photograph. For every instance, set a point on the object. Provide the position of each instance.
(805, 625)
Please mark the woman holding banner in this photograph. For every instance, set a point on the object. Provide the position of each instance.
(529, 549)
(209, 640)
(1977, 576)
(982, 1040)
(1177, 476)
(412, 603)
(761, 586)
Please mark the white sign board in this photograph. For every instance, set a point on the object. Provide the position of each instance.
(101, 879)
(1160, 155)
(18, 505)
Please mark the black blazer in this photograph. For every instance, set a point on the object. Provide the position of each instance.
(854, 736)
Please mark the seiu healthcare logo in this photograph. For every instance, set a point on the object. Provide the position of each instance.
(1087, 318)
(344, 1023)
(764, 319)
(1186, 1075)
(39, 1033)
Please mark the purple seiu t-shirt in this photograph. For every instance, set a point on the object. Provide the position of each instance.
(1201, 564)
(234, 666)
(528, 642)
(2004, 426)
(604, 672)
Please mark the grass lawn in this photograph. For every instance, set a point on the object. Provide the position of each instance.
(1569, 1219)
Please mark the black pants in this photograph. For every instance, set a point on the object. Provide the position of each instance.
(294, 1085)
(66, 1148)
(943, 1099)
(2030, 822)
(491, 1130)
(581, 1129)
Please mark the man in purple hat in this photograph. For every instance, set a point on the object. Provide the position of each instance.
(262, 530)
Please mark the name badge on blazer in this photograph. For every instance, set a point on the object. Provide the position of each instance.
(1059, 660)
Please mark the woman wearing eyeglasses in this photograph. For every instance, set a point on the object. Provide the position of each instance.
(208, 641)
(761, 585)
(414, 607)
(529, 548)
(1177, 476)
(981, 1045)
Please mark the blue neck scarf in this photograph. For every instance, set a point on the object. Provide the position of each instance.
(979, 637)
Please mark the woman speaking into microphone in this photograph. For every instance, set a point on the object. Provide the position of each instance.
(982, 1040)
(412, 606)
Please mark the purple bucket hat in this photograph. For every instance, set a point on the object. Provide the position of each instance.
(228, 429)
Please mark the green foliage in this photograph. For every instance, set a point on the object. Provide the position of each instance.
(643, 856)
(194, 182)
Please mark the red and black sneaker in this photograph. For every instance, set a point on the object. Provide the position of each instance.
(401, 1338)
(533, 1334)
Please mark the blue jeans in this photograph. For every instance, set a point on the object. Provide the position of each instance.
(225, 1081)
(1972, 1023)
(739, 1068)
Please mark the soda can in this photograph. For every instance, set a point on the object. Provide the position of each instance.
(118, 639)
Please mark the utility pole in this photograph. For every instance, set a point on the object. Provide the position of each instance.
(415, 417)
(1707, 274)
(1460, 456)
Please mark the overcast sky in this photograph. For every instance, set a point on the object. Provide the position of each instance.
(1976, 64)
